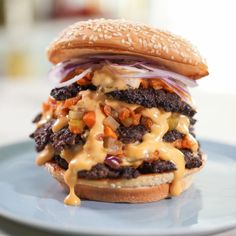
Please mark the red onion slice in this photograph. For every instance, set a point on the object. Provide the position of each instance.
(170, 74)
(125, 66)
(73, 80)
(179, 90)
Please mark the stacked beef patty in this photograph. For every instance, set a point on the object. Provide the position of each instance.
(111, 168)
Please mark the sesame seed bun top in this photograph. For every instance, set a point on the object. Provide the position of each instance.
(125, 37)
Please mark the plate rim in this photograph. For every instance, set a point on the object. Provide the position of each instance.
(210, 229)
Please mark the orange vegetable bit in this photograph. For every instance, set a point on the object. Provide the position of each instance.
(107, 110)
(186, 143)
(52, 101)
(49, 104)
(124, 113)
(70, 102)
(63, 112)
(45, 106)
(156, 84)
(177, 143)
(89, 118)
(83, 81)
(136, 118)
(86, 79)
(75, 129)
(108, 132)
(147, 122)
(144, 83)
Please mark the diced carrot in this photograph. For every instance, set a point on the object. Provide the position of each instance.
(89, 118)
(144, 83)
(70, 102)
(52, 100)
(177, 143)
(108, 132)
(124, 113)
(45, 106)
(75, 129)
(89, 76)
(147, 122)
(186, 143)
(107, 110)
(76, 126)
(64, 112)
(156, 84)
(136, 118)
(84, 81)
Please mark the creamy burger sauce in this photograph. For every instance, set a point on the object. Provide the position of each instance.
(153, 142)
(59, 123)
(93, 151)
(44, 156)
(109, 81)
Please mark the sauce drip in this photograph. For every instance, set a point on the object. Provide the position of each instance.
(59, 124)
(153, 142)
(92, 152)
(44, 156)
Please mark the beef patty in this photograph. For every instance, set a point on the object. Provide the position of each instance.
(149, 97)
(103, 170)
(70, 91)
(131, 134)
(59, 140)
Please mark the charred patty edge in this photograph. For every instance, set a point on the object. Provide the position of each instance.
(150, 97)
(102, 170)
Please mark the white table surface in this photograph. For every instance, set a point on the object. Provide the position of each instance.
(20, 101)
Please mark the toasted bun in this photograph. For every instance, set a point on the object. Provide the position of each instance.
(145, 188)
(124, 37)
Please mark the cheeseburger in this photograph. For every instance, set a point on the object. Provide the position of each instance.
(118, 125)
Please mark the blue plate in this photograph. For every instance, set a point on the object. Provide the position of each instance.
(30, 196)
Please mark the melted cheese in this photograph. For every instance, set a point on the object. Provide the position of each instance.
(69, 154)
(92, 152)
(118, 104)
(107, 79)
(44, 156)
(46, 117)
(153, 142)
(59, 124)
(150, 140)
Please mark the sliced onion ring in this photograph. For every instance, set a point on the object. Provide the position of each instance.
(76, 78)
(156, 72)
(125, 66)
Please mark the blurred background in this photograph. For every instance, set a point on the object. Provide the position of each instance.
(28, 26)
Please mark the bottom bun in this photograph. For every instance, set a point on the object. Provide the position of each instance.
(145, 188)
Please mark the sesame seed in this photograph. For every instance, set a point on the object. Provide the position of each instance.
(133, 36)
(156, 46)
(144, 43)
